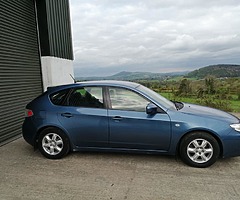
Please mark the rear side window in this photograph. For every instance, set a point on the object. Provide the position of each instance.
(89, 97)
(59, 97)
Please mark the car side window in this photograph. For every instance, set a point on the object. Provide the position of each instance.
(90, 97)
(59, 97)
(124, 99)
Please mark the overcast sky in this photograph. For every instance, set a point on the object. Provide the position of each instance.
(110, 36)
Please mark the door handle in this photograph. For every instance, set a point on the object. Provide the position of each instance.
(117, 118)
(67, 115)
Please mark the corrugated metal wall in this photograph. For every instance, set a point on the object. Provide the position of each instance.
(20, 71)
(55, 28)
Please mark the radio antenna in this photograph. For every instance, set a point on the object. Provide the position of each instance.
(75, 81)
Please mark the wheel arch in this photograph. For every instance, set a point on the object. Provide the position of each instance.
(50, 126)
(205, 131)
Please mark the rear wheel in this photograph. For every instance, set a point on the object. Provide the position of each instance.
(199, 149)
(53, 143)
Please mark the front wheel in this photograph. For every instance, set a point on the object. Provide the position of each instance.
(199, 149)
(53, 143)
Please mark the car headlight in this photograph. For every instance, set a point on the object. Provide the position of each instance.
(236, 127)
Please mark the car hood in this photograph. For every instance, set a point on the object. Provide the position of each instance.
(208, 112)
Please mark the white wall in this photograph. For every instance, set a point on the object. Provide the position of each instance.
(56, 71)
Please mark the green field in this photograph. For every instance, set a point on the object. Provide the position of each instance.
(233, 105)
(220, 93)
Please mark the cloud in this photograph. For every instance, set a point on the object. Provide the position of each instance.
(111, 35)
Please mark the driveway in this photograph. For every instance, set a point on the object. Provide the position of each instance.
(25, 174)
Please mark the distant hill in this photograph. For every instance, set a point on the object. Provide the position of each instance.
(218, 71)
(131, 76)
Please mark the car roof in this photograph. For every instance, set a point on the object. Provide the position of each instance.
(111, 83)
(115, 83)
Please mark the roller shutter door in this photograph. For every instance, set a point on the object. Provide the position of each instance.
(20, 71)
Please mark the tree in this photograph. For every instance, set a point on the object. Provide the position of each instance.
(184, 87)
(210, 85)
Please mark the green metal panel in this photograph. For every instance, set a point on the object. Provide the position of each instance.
(55, 28)
(20, 71)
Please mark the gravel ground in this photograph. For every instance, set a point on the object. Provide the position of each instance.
(27, 175)
(237, 114)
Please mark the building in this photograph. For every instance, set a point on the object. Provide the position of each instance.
(35, 52)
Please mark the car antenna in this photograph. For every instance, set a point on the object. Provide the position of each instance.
(75, 81)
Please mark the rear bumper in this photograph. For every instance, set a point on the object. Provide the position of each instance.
(29, 131)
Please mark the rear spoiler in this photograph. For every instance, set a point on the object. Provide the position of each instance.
(51, 88)
(54, 87)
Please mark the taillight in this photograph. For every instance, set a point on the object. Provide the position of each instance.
(28, 113)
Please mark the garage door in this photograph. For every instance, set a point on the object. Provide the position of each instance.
(20, 72)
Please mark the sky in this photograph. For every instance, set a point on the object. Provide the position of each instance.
(110, 36)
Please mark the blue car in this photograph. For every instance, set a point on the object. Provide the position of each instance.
(124, 116)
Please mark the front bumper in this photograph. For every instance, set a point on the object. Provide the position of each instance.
(231, 144)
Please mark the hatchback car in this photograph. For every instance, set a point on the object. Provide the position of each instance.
(127, 117)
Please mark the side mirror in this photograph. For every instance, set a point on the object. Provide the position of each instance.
(151, 109)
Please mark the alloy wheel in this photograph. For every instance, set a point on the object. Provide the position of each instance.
(52, 144)
(200, 150)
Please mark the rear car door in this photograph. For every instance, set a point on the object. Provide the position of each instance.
(85, 117)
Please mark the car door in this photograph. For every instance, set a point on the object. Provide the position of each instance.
(131, 127)
(85, 117)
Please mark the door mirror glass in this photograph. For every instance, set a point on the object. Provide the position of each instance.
(151, 109)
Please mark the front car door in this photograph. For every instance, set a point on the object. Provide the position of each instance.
(131, 127)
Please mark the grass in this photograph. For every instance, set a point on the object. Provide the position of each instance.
(235, 104)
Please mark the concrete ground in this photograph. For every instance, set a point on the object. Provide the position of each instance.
(26, 174)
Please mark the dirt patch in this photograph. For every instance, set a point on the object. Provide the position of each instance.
(236, 114)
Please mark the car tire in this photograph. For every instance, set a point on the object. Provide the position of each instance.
(199, 149)
(53, 143)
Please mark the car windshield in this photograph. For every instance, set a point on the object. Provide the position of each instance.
(157, 97)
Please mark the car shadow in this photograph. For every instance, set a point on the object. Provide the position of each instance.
(130, 158)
